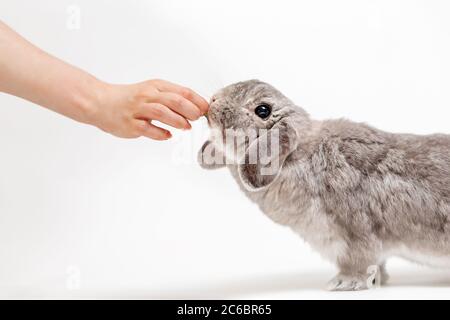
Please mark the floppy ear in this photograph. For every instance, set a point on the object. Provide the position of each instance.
(209, 157)
(266, 155)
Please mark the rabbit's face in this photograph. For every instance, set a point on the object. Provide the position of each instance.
(248, 105)
(241, 112)
(255, 127)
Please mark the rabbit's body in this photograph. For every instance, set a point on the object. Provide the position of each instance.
(393, 202)
(359, 195)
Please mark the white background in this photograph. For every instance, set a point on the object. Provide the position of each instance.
(84, 214)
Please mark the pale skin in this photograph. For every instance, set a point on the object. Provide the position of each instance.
(125, 111)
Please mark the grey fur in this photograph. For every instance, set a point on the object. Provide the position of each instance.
(355, 193)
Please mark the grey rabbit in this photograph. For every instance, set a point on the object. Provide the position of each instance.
(356, 194)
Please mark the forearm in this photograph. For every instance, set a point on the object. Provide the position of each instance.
(30, 73)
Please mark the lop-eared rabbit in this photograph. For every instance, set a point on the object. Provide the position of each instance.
(356, 194)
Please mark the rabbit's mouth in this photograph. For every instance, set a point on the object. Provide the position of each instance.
(213, 123)
(208, 119)
(210, 122)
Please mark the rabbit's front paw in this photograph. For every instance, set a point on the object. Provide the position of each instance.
(347, 283)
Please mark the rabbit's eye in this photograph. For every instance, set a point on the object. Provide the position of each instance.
(263, 111)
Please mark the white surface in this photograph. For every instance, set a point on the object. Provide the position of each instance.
(83, 214)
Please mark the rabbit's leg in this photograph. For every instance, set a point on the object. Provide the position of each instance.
(359, 270)
(383, 273)
(344, 282)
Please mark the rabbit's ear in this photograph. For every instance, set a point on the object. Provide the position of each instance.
(266, 155)
(209, 157)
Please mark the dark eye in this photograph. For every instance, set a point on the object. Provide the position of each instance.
(263, 111)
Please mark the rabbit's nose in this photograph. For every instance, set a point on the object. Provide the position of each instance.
(215, 98)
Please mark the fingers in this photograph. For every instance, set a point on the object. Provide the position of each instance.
(198, 101)
(179, 104)
(167, 103)
(159, 112)
(149, 130)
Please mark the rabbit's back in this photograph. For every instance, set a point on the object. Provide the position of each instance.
(394, 187)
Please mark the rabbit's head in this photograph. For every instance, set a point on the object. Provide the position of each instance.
(254, 126)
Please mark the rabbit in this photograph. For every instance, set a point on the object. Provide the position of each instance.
(356, 194)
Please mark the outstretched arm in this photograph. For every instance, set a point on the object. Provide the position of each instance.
(122, 110)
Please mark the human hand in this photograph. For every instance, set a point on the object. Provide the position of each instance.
(127, 110)
(122, 110)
